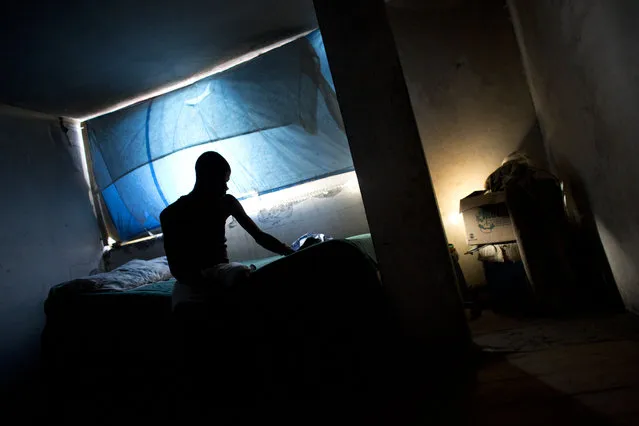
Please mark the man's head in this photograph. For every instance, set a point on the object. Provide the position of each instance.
(212, 172)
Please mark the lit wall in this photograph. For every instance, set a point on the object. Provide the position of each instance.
(581, 60)
(470, 99)
(332, 206)
(48, 233)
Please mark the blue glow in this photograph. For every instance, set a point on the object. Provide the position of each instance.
(274, 119)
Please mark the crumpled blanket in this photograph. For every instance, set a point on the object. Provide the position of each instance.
(129, 276)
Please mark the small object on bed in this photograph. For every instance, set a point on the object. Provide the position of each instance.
(309, 239)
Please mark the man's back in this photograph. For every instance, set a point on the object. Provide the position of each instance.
(194, 235)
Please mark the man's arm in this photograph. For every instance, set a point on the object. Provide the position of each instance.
(267, 241)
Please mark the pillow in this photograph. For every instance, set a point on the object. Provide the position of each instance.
(129, 276)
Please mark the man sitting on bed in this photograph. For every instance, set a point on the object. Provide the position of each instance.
(194, 232)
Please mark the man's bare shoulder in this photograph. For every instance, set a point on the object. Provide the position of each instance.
(231, 202)
(174, 209)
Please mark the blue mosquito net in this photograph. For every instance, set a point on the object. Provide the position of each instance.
(275, 119)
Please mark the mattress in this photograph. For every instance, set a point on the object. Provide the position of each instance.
(125, 348)
(116, 326)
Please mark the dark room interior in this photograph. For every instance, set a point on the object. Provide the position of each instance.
(424, 212)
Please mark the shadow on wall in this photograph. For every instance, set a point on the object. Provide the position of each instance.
(581, 69)
(532, 145)
(562, 249)
(595, 277)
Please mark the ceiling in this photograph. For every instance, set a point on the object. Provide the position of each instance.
(75, 57)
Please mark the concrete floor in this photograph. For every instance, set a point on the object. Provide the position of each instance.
(578, 371)
(582, 371)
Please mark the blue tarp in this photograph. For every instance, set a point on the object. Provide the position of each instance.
(275, 119)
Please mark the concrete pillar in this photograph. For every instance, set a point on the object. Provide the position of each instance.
(393, 176)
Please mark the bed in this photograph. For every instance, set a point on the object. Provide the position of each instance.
(103, 338)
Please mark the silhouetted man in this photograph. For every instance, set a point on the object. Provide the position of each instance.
(194, 232)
